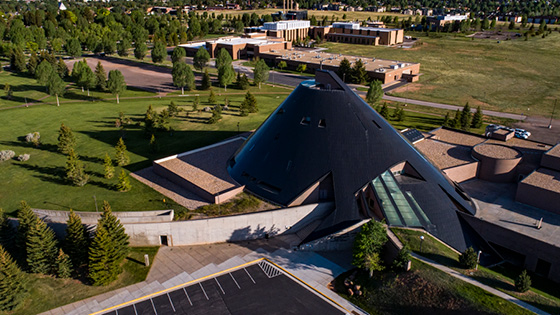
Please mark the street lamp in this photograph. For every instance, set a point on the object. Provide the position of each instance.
(478, 260)
(421, 242)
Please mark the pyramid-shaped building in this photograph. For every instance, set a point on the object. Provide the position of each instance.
(325, 144)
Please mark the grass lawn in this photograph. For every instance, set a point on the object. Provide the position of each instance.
(47, 292)
(350, 15)
(544, 293)
(27, 89)
(40, 182)
(423, 290)
(514, 76)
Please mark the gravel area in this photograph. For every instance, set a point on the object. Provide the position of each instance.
(167, 188)
(206, 168)
(455, 137)
(497, 151)
(544, 178)
(445, 155)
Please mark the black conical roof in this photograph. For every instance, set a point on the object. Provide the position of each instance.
(324, 129)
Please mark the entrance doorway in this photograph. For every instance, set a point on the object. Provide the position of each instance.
(163, 240)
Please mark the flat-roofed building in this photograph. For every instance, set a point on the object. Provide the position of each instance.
(438, 21)
(248, 46)
(288, 30)
(381, 69)
(354, 33)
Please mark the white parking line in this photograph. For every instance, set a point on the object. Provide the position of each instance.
(234, 281)
(134, 306)
(173, 306)
(220, 286)
(249, 275)
(187, 296)
(153, 306)
(200, 283)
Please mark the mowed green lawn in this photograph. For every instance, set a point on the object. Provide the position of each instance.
(40, 180)
(513, 76)
(26, 89)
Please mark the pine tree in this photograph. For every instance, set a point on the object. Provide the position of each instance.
(75, 170)
(384, 111)
(401, 115)
(244, 82)
(153, 144)
(477, 118)
(63, 265)
(41, 248)
(12, 283)
(216, 114)
(456, 122)
(446, 120)
(345, 70)
(123, 184)
(115, 229)
(7, 232)
(32, 64)
(102, 268)
(62, 69)
(100, 77)
(358, 73)
(173, 109)
(150, 119)
(76, 241)
(66, 139)
(120, 153)
(249, 105)
(108, 167)
(26, 218)
(206, 82)
(212, 97)
(466, 117)
(375, 92)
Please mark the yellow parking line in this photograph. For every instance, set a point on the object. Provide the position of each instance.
(175, 287)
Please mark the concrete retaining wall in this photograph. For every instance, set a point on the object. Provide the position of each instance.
(462, 173)
(57, 216)
(224, 229)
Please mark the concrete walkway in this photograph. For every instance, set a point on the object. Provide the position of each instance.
(484, 287)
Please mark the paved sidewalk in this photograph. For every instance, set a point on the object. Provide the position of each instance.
(460, 276)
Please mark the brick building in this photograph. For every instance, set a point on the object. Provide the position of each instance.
(354, 33)
(245, 47)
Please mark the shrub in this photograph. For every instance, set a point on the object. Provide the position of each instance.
(33, 137)
(468, 258)
(523, 282)
(6, 155)
(402, 259)
(23, 157)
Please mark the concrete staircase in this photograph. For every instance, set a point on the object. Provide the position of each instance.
(310, 267)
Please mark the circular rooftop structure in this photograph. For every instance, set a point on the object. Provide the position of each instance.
(498, 163)
(497, 151)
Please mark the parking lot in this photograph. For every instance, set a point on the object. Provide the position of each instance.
(250, 290)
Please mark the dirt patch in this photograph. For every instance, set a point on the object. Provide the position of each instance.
(496, 35)
(412, 87)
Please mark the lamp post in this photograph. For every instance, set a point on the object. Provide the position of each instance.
(421, 242)
(478, 260)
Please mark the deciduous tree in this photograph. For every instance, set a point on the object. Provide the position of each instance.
(201, 58)
(368, 242)
(159, 52)
(116, 83)
(178, 54)
(261, 72)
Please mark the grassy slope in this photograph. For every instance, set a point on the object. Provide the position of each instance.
(544, 293)
(39, 180)
(48, 292)
(515, 76)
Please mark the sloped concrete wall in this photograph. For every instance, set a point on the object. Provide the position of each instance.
(224, 229)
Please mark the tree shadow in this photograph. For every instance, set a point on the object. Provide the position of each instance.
(53, 174)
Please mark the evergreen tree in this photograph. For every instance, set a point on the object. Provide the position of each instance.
(100, 77)
(26, 218)
(466, 117)
(375, 92)
(158, 52)
(456, 122)
(17, 60)
(43, 72)
(153, 144)
(260, 73)
(178, 54)
(468, 259)
(116, 83)
(206, 82)
(173, 109)
(195, 104)
(384, 111)
(523, 282)
(140, 50)
(62, 69)
(345, 70)
(63, 265)
(32, 64)
(358, 73)
(56, 86)
(12, 283)
(243, 82)
(216, 114)
(86, 78)
(401, 115)
(76, 241)
(108, 167)
(116, 231)
(150, 119)
(477, 118)
(446, 120)
(41, 248)
(212, 97)
(75, 170)
(102, 267)
(249, 104)
(121, 155)
(7, 232)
